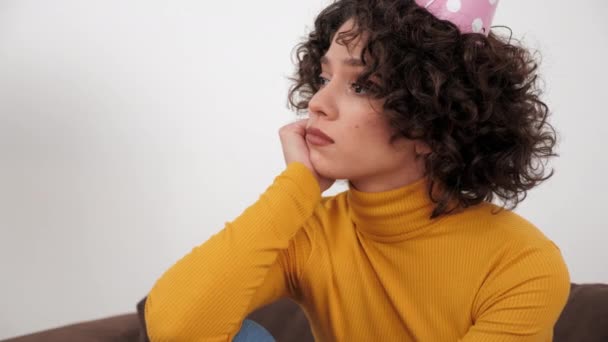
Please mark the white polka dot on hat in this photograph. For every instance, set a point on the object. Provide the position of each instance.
(471, 16)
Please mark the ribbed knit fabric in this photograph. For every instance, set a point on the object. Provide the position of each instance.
(366, 267)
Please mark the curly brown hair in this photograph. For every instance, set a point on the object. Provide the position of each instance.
(473, 99)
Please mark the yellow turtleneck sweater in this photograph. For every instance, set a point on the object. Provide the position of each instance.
(366, 267)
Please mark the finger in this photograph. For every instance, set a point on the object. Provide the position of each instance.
(300, 125)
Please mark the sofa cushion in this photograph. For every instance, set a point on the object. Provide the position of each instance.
(122, 328)
(585, 317)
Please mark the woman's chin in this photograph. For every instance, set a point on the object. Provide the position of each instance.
(328, 167)
(327, 170)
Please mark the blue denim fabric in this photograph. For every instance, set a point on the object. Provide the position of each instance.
(252, 332)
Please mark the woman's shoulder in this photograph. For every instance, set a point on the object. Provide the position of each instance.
(512, 245)
(490, 221)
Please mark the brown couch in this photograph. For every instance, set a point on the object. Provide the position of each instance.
(584, 319)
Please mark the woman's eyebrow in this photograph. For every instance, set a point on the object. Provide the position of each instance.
(352, 62)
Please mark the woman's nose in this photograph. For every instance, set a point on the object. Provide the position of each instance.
(322, 103)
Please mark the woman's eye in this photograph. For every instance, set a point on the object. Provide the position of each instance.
(320, 80)
(359, 89)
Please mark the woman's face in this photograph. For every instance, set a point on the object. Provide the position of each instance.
(361, 150)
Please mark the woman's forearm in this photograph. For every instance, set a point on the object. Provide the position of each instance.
(206, 294)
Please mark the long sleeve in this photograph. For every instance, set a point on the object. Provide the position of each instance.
(523, 301)
(206, 294)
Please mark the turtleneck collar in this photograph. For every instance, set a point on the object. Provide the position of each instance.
(392, 215)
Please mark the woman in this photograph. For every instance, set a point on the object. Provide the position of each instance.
(430, 117)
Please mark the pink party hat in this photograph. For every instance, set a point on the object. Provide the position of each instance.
(471, 16)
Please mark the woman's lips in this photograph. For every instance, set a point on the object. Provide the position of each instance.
(316, 137)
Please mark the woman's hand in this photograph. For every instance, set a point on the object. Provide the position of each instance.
(295, 149)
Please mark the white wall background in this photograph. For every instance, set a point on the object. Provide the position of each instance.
(131, 131)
